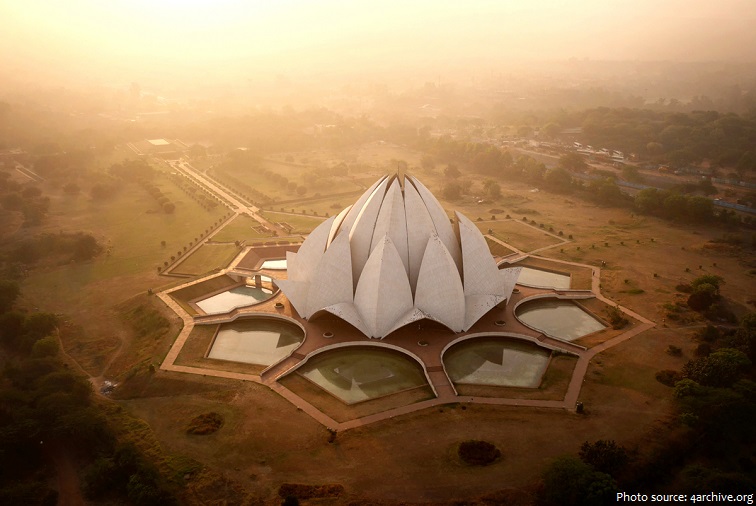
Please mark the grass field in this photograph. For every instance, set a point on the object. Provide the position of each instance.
(497, 249)
(207, 258)
(131, 234)
(301, 224)
(325, 205)
(523, 237)
(241, 228)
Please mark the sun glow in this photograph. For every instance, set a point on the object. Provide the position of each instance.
(244, 38)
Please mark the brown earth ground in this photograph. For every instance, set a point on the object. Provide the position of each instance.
(265, 441)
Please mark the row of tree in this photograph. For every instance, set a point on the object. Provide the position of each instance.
(679, 138)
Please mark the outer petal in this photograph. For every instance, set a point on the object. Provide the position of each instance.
(480, 274)
(331, 283)
(440, 222)
(392, 222)
(439, 290)
(419, 229)
(361, 233)
(383, 293)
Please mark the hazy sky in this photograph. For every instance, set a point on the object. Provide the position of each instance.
(125, 39)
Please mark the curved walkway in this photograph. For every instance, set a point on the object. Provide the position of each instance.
(437, 376)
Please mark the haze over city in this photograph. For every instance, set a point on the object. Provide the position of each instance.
(189, 44)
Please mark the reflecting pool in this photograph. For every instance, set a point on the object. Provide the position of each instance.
(231, 299)
(543, 279)
(256, 341)
(361, 373)
(274, 265)
(562, 319)
(497, 361)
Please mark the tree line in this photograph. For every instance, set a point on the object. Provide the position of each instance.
(48, 408)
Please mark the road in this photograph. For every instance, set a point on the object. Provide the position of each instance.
(236, 206)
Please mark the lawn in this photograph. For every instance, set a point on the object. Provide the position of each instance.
(497, 249)
(521, 236)
(241, 228)
(301, 224)
(131, 233)
(208, 257)
(323, 206)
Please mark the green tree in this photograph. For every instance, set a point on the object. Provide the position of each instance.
(451, 171)
(569, 481)
(45, 347)
(9, 292)
(86, 247)
(551, 130)
(720, 369)
(573, 162)
(649, 201)
(699, 209)
(709, 279)
(630, 173)
(39, 325)
(605, 456)
(492, 189)
(452, 191)
(428, 163)
(558, 179)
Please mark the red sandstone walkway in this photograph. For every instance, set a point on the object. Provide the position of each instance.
(430, 355)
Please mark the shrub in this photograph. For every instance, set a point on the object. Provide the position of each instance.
(205, 424)
(478, 453)
(616, 317)
(668, 377)
(673, 350)
(703, 350)
(605, 456)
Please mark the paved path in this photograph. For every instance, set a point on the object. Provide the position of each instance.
(438, 379)
(237, 206)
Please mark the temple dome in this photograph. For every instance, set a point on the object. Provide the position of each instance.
(395, 257)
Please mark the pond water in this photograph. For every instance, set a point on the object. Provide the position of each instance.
(256, 341)
(562, 319)
(543, 279)
(274, 265)
(231, 299)
(497, 361)
(361, 373)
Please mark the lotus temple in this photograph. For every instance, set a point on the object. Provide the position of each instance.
(395, 305)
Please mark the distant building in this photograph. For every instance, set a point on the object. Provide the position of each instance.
(9, 157)
(162, 148)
